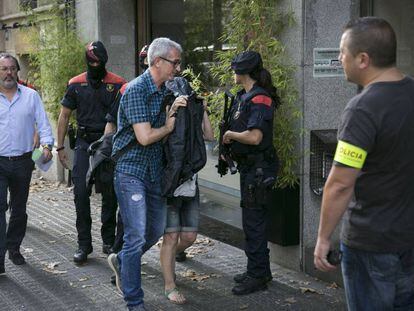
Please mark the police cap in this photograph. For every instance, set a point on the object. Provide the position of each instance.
(246, 62)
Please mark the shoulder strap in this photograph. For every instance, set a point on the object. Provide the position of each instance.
(124, 150)
(254, 93)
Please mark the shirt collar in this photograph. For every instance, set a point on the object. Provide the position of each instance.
(151, 84)
(19, 90)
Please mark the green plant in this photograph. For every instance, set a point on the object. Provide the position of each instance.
(57, 54)
(257, 25)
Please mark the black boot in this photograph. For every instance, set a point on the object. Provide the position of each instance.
(81, 256)
(107, 249)
(250, 285)
(180, 257)
(113, 279)
(16, 257)
(239, 278)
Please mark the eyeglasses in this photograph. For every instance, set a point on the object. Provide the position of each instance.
(5, 69)
(175, 63)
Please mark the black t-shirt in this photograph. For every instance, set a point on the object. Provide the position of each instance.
(380, 120)
(92, 104)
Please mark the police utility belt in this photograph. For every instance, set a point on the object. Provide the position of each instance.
(89, 135)
(257, 159)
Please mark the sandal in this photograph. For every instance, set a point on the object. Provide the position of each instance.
(175, 296)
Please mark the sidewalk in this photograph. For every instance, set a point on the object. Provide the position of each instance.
(51, 281)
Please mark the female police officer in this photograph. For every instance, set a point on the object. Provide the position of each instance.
(250, 138)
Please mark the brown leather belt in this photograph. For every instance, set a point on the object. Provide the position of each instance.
(24, 156)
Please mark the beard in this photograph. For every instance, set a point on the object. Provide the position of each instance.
(9, 83)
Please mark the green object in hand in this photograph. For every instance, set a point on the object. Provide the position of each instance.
(37, 153)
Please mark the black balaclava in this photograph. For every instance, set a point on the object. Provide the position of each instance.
(96, 52)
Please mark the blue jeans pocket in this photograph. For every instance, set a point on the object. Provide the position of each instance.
(383, 266)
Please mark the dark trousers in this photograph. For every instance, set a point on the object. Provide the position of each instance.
(15, 176)
(82, 202)
(254, 226)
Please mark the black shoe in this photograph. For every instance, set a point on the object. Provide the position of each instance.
(107, 249)
(239, 278)
(250, 285)
(16, 257)
(137, 308)
(180, 257)
(81, 256)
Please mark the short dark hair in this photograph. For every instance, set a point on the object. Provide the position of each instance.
(7, 55)
(374, 36)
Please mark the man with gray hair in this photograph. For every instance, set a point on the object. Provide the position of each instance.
(21, 108)
(142, 124)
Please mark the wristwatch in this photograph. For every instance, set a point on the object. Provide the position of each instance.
(48, 146)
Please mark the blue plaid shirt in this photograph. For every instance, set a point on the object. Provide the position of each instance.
(140, 103)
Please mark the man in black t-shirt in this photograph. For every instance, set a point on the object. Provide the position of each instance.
(372, 177)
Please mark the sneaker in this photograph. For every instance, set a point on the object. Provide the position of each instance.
(239, 278)
(180, 257)
(114, 264)
(250, 285)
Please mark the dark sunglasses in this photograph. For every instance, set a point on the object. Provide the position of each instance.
(175, 63)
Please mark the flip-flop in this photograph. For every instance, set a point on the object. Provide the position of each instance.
(170, 294)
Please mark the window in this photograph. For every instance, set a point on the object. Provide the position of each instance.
(400, 14)
(197, 25)
(28, 3)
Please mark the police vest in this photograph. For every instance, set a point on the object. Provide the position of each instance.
(242, 112)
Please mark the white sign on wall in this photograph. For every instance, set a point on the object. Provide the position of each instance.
(326, 63)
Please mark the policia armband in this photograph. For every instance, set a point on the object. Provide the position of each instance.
(350, 155)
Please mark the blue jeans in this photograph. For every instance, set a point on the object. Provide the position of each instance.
(378, 281)
(143, 212)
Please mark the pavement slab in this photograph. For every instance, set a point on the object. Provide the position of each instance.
(51, 281)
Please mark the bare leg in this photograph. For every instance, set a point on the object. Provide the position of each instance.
(186, 240)
(167, 258)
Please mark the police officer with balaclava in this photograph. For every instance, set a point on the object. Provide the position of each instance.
(250, 138)
(91, 95)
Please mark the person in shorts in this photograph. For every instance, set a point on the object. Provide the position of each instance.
(181, 230)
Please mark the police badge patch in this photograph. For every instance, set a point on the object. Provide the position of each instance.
(110, 87)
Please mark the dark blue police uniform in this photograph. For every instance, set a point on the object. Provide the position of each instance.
(258, 165)
(92, 103)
